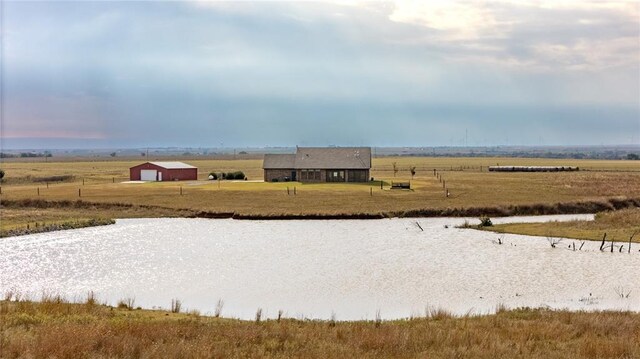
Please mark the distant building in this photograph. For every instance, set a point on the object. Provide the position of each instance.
(163, 171)
(319, 164)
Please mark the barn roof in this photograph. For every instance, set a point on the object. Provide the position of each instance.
(279, 161)
(321, 158)
(172, 165)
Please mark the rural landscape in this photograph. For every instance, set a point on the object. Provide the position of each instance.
(41, 195)
(329, 179)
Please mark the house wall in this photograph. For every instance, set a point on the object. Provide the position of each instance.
(326, 176)
(358, 176)
(277, 174)
(311, 177)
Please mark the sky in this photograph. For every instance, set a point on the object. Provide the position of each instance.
(82, 74)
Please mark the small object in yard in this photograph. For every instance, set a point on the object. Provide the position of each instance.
(400, 185)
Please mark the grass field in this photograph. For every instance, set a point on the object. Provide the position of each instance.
(56, 329)
(618, 225)
(467, 179)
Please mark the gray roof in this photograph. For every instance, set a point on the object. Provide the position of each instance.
(172, 165)
(322, 158)
(279, 161)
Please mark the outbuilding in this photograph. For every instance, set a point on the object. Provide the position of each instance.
(163, 171)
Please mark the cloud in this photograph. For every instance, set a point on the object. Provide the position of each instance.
(284, 73)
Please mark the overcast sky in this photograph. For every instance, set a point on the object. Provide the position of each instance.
(137, 74)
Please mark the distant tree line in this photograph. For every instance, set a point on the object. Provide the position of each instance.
(26, 154)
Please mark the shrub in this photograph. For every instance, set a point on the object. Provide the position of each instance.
(239, 175)
(485, 222)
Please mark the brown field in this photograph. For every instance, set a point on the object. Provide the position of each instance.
(470, 185)
(619, 226)
(56, 329)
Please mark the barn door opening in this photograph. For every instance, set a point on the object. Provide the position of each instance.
(148, 175)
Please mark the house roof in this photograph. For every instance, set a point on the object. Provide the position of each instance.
(279, 161)
(322, 158)
(172, 165)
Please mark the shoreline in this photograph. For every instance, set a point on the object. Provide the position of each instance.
(578, 207)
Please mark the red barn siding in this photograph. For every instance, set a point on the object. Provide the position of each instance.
(168, 174)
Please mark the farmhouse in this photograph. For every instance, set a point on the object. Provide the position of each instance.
(163, 171)
(319, 164)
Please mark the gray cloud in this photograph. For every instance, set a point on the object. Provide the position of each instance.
(141, 73)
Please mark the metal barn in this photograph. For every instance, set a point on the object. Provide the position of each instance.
(163, 171)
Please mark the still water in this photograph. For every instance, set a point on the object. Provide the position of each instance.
(318, 268)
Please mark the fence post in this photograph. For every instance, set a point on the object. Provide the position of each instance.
(38, 191)
(380, 184)
(371, 191)
(113, 180)
(287, 190)
(181, 190)
(294, 190)
(83, 181)
(79, 192)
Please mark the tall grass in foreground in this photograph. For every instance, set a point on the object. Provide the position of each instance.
(57, 329)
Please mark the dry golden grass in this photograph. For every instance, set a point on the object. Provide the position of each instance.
(55, 329)
(469, 187)
(618, 225)
(467, 179)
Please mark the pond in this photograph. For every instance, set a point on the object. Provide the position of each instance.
(350, 269)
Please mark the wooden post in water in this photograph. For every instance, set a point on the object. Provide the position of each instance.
(611, 244)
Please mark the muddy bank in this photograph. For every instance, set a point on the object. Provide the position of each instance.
(579, 207)
(42, 228)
